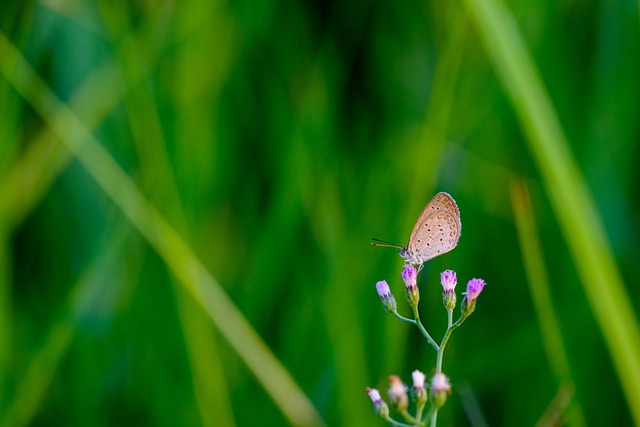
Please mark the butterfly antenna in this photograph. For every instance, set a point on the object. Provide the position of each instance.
(378, 242)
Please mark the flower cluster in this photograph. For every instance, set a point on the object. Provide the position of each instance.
(439, 387)
(448, 280)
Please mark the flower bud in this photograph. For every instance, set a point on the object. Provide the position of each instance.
(474, 287)
(440, 389)
(449, 281)
(398, 393)
(388, 301)
(409, 275)
(418, 391)
(379, 405)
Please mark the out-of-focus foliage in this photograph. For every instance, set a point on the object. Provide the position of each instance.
(275, 139)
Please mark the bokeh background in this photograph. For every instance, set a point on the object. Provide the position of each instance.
(188, 190)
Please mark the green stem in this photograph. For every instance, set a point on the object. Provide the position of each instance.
(419, 325)
(434, 418)
(408, 417)
(440, 353)
(423, 330)
(445, 339)
(404, 319)
(396, 423)
(429, 416)
(419, 410)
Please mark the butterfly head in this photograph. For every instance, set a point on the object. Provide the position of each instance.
(405, 253)
(411, 257)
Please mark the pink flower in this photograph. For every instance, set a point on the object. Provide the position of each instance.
(418, 391)
(474, 287)
(388, 301)
(410, 275)
(449, 280)
(418, 379)
(440, 383)
(379, 405)
(398, 393)
(383, 289)
(440, 388)
(374, 395)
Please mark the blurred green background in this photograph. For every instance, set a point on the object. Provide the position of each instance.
(188, 190)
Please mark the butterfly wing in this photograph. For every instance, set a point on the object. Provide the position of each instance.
(438, 228)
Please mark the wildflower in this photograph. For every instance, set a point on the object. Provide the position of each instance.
(449, 282)
(398, 393)
(379, 405)
(409, 275)
(388, 301)
(418, 391)
(474, 287)
(440, 388)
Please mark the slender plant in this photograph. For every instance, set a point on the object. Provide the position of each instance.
(439, 387)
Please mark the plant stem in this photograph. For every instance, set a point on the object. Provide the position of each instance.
(423, 330)
(445, 338)
(429, 415)
(396, 423)
(409, 418)
(419, 410)
(404, 319)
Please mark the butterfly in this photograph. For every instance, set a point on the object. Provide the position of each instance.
(436, 232)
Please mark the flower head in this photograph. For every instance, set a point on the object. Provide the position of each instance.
(440, 388)
(379, 405)
(383, 289)
(449, 280)
(388, 301)
(418, 379)
(474, 287)
(409, 275)
(374, 394)
(398, 393)
(418, 391)
(440, 383)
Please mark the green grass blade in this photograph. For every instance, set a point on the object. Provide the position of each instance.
(85, 295)
(565, 186)
(539, 285)
(207, 370)
(34, 383)
(161, 236)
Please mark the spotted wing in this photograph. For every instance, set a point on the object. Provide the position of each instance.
(438, 228)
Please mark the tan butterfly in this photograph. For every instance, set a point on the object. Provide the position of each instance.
(436, 232)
